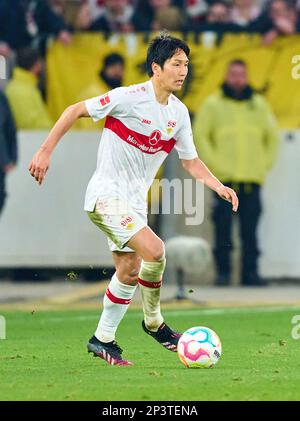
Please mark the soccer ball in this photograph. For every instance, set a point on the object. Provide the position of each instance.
(199, 347)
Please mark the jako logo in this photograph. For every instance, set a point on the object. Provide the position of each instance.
(171, 123)
(155, 137)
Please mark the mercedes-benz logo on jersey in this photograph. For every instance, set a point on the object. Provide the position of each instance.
(155, 137)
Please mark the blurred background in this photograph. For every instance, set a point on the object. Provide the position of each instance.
(243, 95)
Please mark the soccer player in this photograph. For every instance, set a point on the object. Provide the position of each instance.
(143, 123)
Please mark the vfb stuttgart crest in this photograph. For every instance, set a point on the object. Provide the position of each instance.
(155, 137)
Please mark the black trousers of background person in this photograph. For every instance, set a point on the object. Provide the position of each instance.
(248, 214)
(2, 190)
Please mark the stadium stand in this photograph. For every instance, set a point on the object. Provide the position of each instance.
(270, 74)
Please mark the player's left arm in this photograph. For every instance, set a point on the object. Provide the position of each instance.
(197, 169)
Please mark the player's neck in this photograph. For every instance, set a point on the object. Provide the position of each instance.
(161, 94)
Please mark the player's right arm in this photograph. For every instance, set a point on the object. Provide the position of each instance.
(116, 103)
(41, 160)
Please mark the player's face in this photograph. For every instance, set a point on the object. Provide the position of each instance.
(174, 71)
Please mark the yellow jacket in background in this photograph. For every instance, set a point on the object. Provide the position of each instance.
(96, 88)
(25, 99)
(237, 140)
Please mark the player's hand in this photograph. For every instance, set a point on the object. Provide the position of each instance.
(228, 194)
(39, 165)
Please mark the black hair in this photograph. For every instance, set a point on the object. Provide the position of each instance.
(237, 61)
(162, 48)
(112, 59)
(27, 57)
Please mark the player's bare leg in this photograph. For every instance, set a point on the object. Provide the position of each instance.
(127, 266)
(152, 251)
(115, 304)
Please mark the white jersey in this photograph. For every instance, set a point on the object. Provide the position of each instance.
(138, 135)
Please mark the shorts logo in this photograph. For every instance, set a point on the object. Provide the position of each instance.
(155, 137)
(127, 223)
(104, 100)
(145, 121)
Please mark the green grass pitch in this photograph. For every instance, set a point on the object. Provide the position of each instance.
(44, 358)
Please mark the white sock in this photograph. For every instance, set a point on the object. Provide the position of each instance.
(115, 304)
(150, 282)
(151, 306)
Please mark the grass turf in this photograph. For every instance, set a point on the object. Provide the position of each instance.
(44, 358)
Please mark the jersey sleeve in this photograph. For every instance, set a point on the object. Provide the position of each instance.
(184, 139)
(114, 103)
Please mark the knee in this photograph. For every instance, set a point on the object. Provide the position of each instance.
(152, 270)
(157, 254)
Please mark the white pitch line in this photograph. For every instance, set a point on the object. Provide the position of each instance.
(187, 312)
(218, 311)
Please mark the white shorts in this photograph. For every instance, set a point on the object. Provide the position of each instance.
(118, 221)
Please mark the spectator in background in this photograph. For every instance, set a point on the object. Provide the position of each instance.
(112, 72)
(218, 12)
(89, 12)
(153, 15)
(280, 19)
(218, 20)
(171, 19)
(23, 22)
(244, 11)
(109, 77)
(8, 145)
(25, 99)
(236, 135)
(58, 6)
(196, 10)
(67, 10)
(115, 18)
(144, 14)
